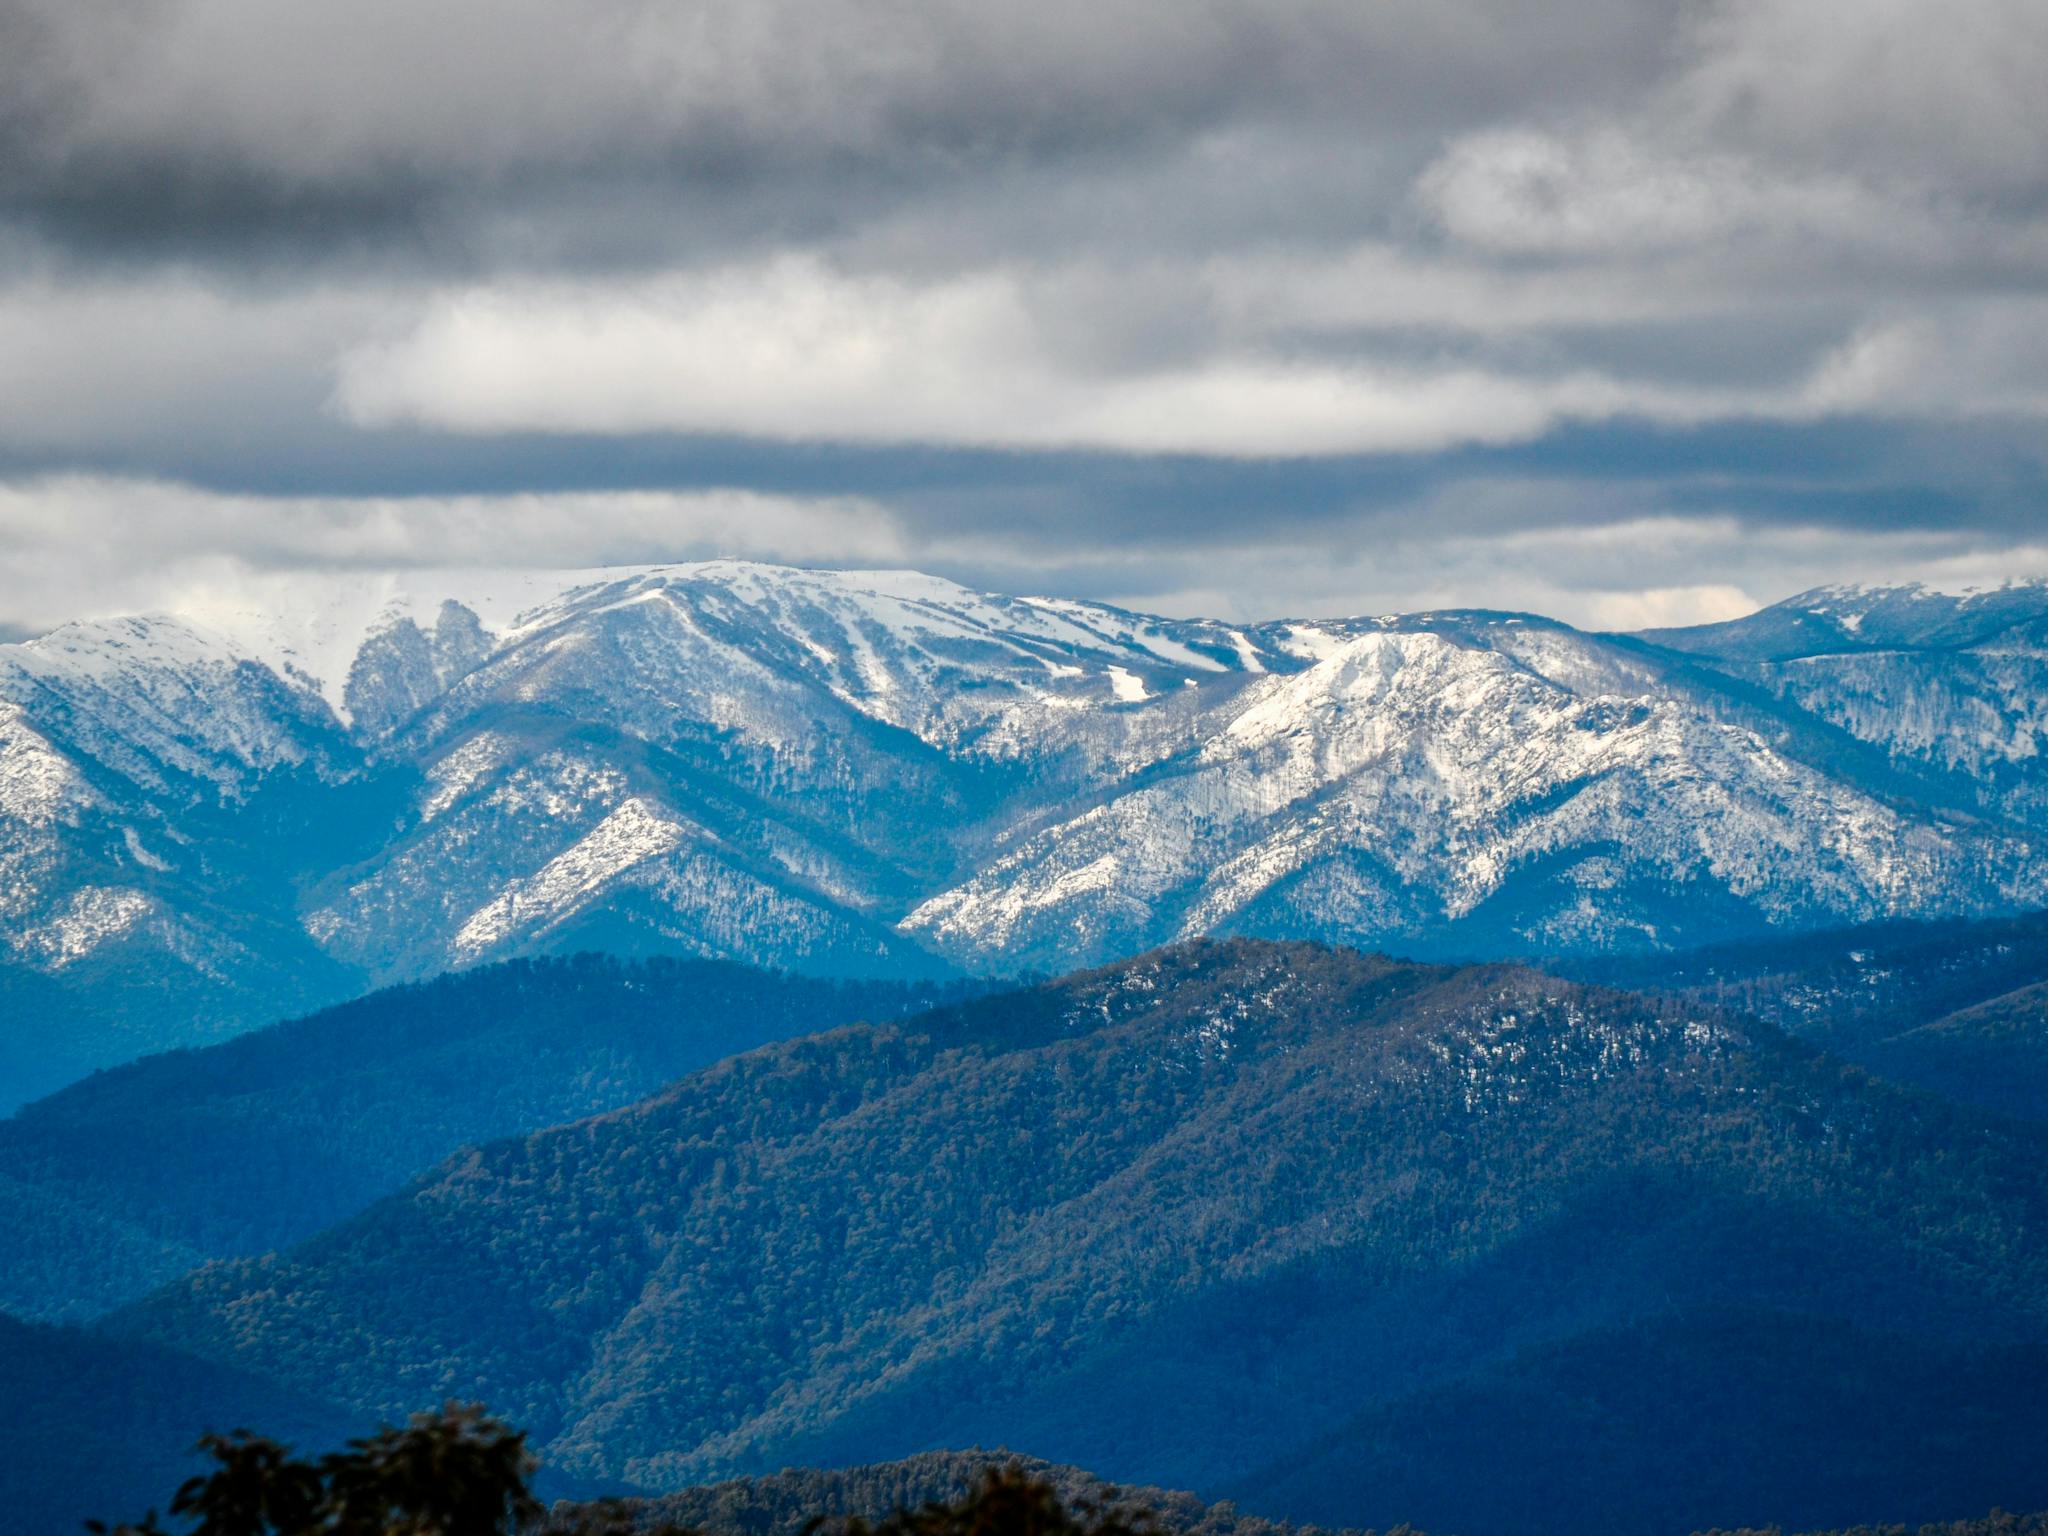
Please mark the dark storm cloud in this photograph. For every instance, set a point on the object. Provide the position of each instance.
(224, 123)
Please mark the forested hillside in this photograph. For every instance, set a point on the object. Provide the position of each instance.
(1175, 1220)
(1994, 1054)
(1959, 1009)
(790, 1503)
(1708, 1415)
(1847, 988)
(135, 1175)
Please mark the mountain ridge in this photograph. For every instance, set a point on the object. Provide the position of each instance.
(1171, 1219)
(126, 1179)
(885, 773)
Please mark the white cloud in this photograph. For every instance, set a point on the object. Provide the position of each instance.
(109, 362)
(796, 350)
(266, 242)
(1986, 357)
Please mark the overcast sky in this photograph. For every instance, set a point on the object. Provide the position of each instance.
(1627, 311)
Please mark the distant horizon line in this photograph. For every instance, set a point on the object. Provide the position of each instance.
(395, 579)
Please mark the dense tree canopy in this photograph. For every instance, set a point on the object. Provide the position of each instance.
(460, 1472)
(1187, 1218)
(133, 1176)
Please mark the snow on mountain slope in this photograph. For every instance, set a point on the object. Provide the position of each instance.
(94, 915)
(730, 644)
(66, 855)
(43, 801)
(629, 836)
(1970, 711)
(312, 629)
(1836, 619)
(156, 699)
(38, 785)
(1403, 782)
(367, 779)
(1953, 684)
(817, 720)
(878, 637)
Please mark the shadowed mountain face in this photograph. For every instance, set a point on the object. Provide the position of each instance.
(214, 821)
(1714, 1414)
(1994, 1055)
(133, 1176)
(101, 1428)
(1182, 1220)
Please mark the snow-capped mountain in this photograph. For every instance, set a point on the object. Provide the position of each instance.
(215, 817)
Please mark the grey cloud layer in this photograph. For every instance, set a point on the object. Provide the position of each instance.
(331, 243)
(1599, 122)
(183, 112)
(1596, 553)
(82, 546)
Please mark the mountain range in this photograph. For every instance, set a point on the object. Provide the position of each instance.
(670, 1060)
(1958, 1008)
(125, 1180)
(1312, 1229)
(216, 819)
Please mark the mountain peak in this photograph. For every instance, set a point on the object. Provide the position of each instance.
(368, 778)
(1853, 617)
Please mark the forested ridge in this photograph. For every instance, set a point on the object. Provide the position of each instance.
(134, 1175)
(789, 1503)
(1994, 1053)
(1175, 1220)
(1957, 1009)
(1849, 989)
